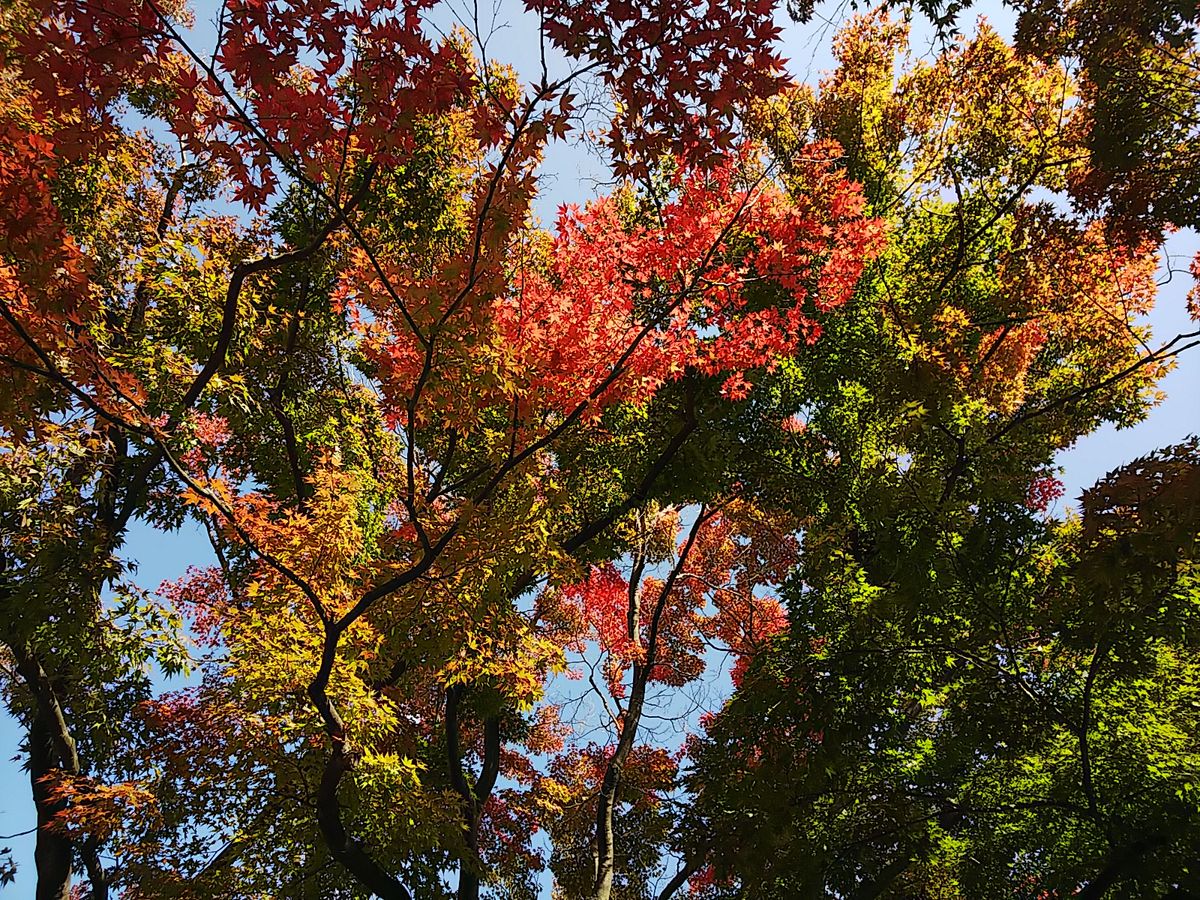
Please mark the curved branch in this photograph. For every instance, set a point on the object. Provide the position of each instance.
(342, 846)
(244, 270)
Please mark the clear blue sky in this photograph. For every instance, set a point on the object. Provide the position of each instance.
(575, 175)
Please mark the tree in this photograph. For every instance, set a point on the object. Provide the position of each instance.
(931, 725)
(616, 795)
(73, 477)
(400, 364)
(1032, 733)
(1138, 94)
(1137, 102)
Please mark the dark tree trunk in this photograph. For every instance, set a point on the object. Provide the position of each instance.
(342, 845)
(472, 797)
(52, 855)
(1120, 863)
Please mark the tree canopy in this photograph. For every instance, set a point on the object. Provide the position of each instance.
(700, 544)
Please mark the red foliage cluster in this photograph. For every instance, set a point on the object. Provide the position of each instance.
(1043, 491)
(202, 595)
(625, 306)
(277, 94)
(679, 68)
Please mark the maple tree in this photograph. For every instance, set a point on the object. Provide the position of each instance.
(488, 349)
(944, 717)
(658, 628)
(73, 480)
(758, 402)
(1137, 101)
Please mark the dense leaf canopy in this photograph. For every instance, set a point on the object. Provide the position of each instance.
(699, 544)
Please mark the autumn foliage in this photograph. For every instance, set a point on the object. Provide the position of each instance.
(538, 552)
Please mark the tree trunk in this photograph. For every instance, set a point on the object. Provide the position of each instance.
(342, 846)
(1119, 864)
(606, 804)
(468, 883)
(52, 855)
(97, 876)
(472, 798)
(51, 749)
(605, 840)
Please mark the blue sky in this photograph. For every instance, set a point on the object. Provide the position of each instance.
(573, 176)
